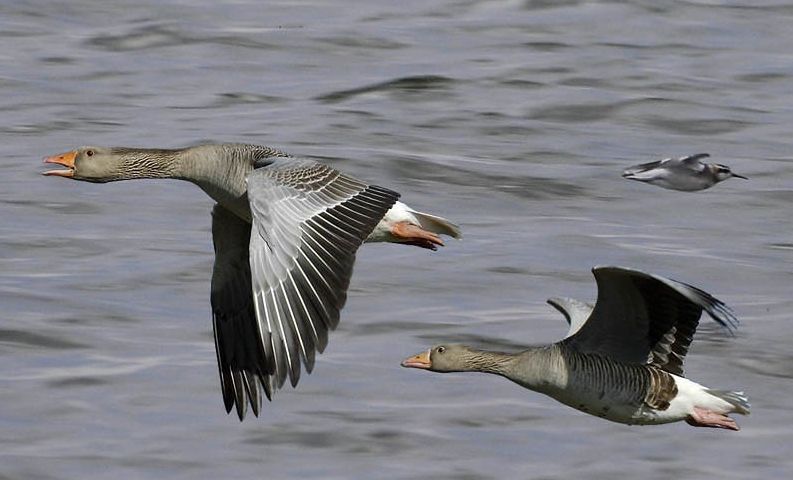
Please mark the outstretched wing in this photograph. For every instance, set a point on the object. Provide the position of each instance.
(575, 312)
(279, 284)
(643, 318)
(691, 162)
(240, 357)
(308, 222)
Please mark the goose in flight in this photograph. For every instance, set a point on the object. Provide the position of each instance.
(285, 232)
(622, 359)
(687, 174)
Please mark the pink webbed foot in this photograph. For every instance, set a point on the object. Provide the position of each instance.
(706, 418)
(410, 234)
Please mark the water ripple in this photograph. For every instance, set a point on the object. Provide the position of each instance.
(161, 36)
(26, 338)
(417, 84)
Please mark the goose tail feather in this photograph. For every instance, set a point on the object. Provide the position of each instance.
(437, 224)
(737, 399)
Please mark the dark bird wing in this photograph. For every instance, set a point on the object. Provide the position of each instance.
(240, 356)
(643, 318)
(308, 222)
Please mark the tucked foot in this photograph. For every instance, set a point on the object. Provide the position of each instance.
(406, 232)
(706, 418)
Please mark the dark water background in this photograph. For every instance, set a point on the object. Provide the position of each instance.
(512, 118)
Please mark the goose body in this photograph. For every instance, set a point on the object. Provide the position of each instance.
(624, 363)
(686, 174)
(285, 232)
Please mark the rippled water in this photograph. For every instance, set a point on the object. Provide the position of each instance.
(512, 118)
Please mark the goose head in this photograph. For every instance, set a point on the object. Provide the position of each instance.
(105, 164)
(444, 358)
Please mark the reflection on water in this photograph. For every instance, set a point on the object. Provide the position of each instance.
(513, 119)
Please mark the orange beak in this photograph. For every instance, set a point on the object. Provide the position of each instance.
(421, 360)
(65, 159)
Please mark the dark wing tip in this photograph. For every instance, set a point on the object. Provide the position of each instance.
(717, 310)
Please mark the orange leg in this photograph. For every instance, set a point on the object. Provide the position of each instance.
(410, 234)
(707, 418)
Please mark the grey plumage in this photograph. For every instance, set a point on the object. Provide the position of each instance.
(295, 260)
(624, 362)
(308, 221)
(285, 233)
(686, 174)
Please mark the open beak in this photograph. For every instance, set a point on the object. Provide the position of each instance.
(739, 176)
(65, 159)
(421, 360)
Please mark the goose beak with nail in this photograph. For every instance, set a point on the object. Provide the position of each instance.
(420, 360)
(286, 231)
(64, 159)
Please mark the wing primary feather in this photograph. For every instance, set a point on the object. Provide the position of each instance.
(384, 193)
(315, 298)
(265, 336)
(281, 347)
(327, 270)
(239, 393)
(331, 316)
(328, 250)
(310, 220)
(365, 210)
(341, 218)
(288, 335)
(363, 219)
(308, 357)
(227, 384)
(252, 388)
(301, 336)
(334, 231)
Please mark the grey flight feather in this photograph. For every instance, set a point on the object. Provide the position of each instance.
(308, 222)
(642, 318)
(279, 283)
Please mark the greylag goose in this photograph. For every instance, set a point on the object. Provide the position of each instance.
(285, 232)
(623, 363)
(687, 174)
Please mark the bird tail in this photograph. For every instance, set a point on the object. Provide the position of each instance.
(437, 224)
(737, 399)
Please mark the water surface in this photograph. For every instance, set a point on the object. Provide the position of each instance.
(512, 118)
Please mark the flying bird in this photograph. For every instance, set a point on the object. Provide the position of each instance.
(285, 232)
(622, 358)
(687, 174)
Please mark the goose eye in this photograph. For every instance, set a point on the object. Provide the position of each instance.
(90, 153)
(441, 349)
